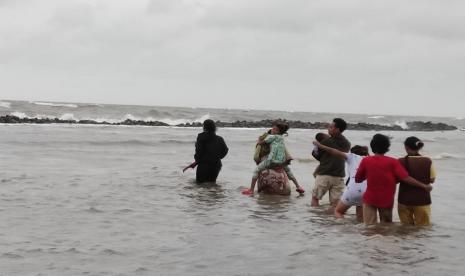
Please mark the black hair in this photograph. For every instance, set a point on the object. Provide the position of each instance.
(359, 150)
(340, 124)
(380, 144)
(413, 143)
(209, 126)
(283, 127)
(320, 136)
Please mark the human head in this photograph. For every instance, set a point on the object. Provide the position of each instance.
(280, 128)
(209, 126)
(320, 136)
(337, 127)
(380, 144)
(359, 150)
(413, 145)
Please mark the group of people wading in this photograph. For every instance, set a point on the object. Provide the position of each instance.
(371, 183)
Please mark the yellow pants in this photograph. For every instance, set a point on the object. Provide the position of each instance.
(415, 215)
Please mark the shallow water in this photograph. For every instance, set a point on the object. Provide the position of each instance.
(105, 200)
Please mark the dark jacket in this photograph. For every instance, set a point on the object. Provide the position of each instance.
(210, 148)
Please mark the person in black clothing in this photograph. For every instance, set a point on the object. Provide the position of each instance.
(209, 150)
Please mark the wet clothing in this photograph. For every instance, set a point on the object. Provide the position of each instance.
(209, 150)
(420, 168)
(382, 174)
(354, 191)
(330, 164)
(370, 214)
(277, 149)
(414, 215)
(262, 150)
(326, 183)
(414, 206)
(276, 157)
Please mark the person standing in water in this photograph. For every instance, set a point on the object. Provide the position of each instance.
(353, 194)
(414, 204)
(382, 173)
(331, 171)
(276, 157)
(209, 150)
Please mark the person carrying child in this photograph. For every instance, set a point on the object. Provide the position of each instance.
(331, 171)
(276, 157)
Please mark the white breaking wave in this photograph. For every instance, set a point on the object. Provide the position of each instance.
(445, 155)
(56, 104)
(20, 115)
(174, 122)
(5, 104)
(376, 117)
(68, 117)
(402, 124)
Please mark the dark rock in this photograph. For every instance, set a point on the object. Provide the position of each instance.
(412, 126)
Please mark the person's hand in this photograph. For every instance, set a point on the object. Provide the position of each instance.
(191, 166)
(428, 188)
(316, 143)
(247, 192)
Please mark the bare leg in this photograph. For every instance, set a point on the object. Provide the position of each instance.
(252, 184)
(359, 212)
(315, 202)
(341, 209)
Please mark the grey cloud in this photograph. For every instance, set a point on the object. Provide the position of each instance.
(329, 47)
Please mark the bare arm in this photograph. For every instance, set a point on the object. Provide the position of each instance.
(331, 151)
(191, 166)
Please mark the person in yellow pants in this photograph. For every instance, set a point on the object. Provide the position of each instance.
(414, 204)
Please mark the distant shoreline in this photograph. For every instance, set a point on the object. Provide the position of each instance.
(411, 126)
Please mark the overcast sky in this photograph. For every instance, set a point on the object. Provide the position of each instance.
(372, 56)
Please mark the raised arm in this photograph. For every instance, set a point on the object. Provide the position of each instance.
(331, 151)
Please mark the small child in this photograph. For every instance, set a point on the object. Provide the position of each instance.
(276, 157)
(319, 137)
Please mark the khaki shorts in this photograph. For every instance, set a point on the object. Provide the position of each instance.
(415, 215)
(324, 183)
(370, 214)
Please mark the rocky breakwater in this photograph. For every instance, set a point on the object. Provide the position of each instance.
(411, 126)
(8, 119)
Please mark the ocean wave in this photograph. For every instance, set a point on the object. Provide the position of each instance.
(68, 117)
(71, 116)
(376, 117)
(20, 115)
(174, 122)
(56, 104)
(5, 104)
(402, 124)
(178, 142)
(446, 156)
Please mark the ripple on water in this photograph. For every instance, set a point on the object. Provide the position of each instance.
(94, 210)
(111, 252)
(11, 255)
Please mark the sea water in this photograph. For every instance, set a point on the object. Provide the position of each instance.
(112, 200)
